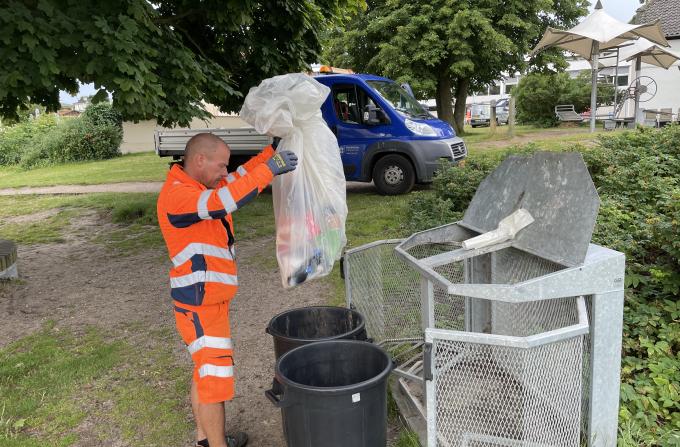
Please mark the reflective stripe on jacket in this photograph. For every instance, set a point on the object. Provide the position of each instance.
(197, 227)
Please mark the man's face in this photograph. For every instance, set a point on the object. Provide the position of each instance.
(213, 166)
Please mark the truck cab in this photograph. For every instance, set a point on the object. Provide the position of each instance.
(385, 135)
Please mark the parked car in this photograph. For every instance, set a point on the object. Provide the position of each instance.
(502, 111)
(385, 135)
(481, 113)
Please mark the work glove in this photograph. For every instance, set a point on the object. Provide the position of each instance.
(284, 161)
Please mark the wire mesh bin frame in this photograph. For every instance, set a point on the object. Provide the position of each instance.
(599, 279)
(435, 374)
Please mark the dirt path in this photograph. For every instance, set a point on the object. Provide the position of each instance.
(128, 187)
(85, 189)
(78, 283)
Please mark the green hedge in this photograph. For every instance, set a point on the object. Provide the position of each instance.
(637, 175)
(17, 139)
(96, 135)
(102, 114)
(537, 94)
(73, 140)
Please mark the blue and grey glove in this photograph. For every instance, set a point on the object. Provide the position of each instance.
(284, 161)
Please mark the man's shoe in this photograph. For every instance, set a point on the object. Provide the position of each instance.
(237, 439)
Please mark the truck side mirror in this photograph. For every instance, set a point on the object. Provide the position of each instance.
(371, 115)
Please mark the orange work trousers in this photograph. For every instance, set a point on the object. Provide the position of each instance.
(205, 330)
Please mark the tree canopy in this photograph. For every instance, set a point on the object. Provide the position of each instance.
(160, 58)
(443, 47)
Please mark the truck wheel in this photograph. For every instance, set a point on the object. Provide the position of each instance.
(393, 174)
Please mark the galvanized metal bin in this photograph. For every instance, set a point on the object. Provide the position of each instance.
(513, 344)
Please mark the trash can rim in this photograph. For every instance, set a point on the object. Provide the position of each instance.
(336, 389)
(273, 333)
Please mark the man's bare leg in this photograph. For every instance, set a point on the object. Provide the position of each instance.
(212, 420)
(200, 433)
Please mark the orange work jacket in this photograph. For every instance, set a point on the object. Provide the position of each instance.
(198, 229)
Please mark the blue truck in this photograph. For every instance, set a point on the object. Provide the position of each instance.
(385, 135)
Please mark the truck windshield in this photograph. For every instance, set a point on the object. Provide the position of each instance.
(399, 99)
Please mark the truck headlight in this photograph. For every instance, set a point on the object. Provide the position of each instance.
(420, 128)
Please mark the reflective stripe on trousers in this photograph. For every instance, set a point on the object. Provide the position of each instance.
(216, 371)
(208, 341)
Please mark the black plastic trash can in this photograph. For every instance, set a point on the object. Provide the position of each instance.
(334, 394)
(306, 325)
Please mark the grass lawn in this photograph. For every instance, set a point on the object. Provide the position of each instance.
(50, 379)
(142, 167)
(147, 166)
(481, 139)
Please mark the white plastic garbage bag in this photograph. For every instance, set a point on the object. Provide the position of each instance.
(310, 206)
(508, 227)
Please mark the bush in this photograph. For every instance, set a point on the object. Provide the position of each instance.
(638, 178)
(15, 140)
(74, 140)
(47, 140)
(637, 175)
(537, 94)
(429, 210)
(454, 186)
(101, 114)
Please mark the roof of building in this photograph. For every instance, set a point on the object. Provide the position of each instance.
(666, 11)
(67, 112)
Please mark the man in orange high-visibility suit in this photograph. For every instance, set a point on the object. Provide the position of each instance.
(194, 213)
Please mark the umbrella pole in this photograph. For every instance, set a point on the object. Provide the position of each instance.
(616, 79)
(593, 92)
(638, 113)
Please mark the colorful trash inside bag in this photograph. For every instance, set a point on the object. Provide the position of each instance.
(310, 206)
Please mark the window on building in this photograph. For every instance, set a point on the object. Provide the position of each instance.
(623, 81)
(510, 88)
(495, 90)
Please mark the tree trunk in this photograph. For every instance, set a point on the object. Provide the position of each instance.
(462, 87)
(445, 100)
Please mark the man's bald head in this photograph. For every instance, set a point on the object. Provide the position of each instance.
(202, 143)
(206, 158)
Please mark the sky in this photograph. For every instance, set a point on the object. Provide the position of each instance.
(622, 10)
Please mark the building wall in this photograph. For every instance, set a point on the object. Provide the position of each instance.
(667, 81)
(668, 84)
(139, 137)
